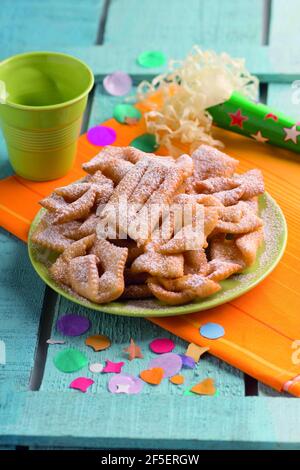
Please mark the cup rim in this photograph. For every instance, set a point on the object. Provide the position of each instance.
(51, 106)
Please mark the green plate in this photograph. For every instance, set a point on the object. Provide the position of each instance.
(267, 258)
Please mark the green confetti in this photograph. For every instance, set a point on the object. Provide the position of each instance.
(151, 59)
(217, 393)
(123, 111)
(145, 142)
(70, 360)
(188, 392)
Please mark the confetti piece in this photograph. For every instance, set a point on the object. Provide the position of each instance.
(171, 363)
(115, 367)
(151, 59)
(187, 392)
(152, 376)
(145, 142)
(177, 379)
(126, 114)
(195, 351)
(187, 361)
(101, 135)
(206, 387)
(212, 331)
(98, 342)
(162, 345)
(55, 341)
(125, 383)
(70, 360)
(117, 84)
(96, 367)
(81, 383)
(134, 351)
(73, 325)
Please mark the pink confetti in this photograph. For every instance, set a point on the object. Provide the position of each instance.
(114, 367)
(162, 345)
(171, 363)
(125, 383)
(118, 83)
(101, 135)
(81, 383)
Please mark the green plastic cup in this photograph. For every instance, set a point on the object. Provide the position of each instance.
(42, 114)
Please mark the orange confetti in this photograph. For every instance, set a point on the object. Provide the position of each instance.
(177, 379)
(206, 387)
(98, 342)
(134, 351)
(195, 351)
(152, 376)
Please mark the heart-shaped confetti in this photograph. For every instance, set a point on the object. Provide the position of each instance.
(81, 383)
(177, 379)
(126, 114)
(151, 59)
(101, 135)
(70, 360)
(114, 367)
(212, 331)
(162, 345)
(206, 387)
(171, 363)
(73, 325)
(98, 342)
(125, 383)
(152, 376)
(118, 83)
(145, 142)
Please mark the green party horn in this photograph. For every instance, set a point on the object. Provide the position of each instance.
(258, 121)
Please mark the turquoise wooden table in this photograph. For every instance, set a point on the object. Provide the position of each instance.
(37, 410)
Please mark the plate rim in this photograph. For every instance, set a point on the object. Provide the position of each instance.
(167, 311)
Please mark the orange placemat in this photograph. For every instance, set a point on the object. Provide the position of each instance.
(262, 325)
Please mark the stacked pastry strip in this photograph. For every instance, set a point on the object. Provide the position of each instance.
(109, 246)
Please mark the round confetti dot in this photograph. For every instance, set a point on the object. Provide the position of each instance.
(145, 142)
(126, 113)
(70, 360)
(187, 361)
(118, 83)
(171, 363)
(212, 331)
(101, 135)
(98, 342)
(151, 59)
(125, 383)
(73, 325)
(96, 367)
(162, 345)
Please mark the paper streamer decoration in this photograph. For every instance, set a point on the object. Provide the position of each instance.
(73, 325)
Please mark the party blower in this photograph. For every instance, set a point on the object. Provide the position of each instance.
(208, 88)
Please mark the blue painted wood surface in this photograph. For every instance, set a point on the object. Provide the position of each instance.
(159, 417)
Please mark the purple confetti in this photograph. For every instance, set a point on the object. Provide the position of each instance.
(118, 83)
(125, 383)
(171, 363)
(73, 325)
(101, 135)
(187, 361)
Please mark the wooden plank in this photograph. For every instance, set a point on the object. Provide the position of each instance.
(57, 419)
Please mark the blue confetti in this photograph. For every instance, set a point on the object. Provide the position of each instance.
(212, 331)
(187, 361)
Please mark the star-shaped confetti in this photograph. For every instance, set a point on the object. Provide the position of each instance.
(259, 137)
(114, 367)
(291, 133)
(271, 116)
(134, 351)
(237, 119)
